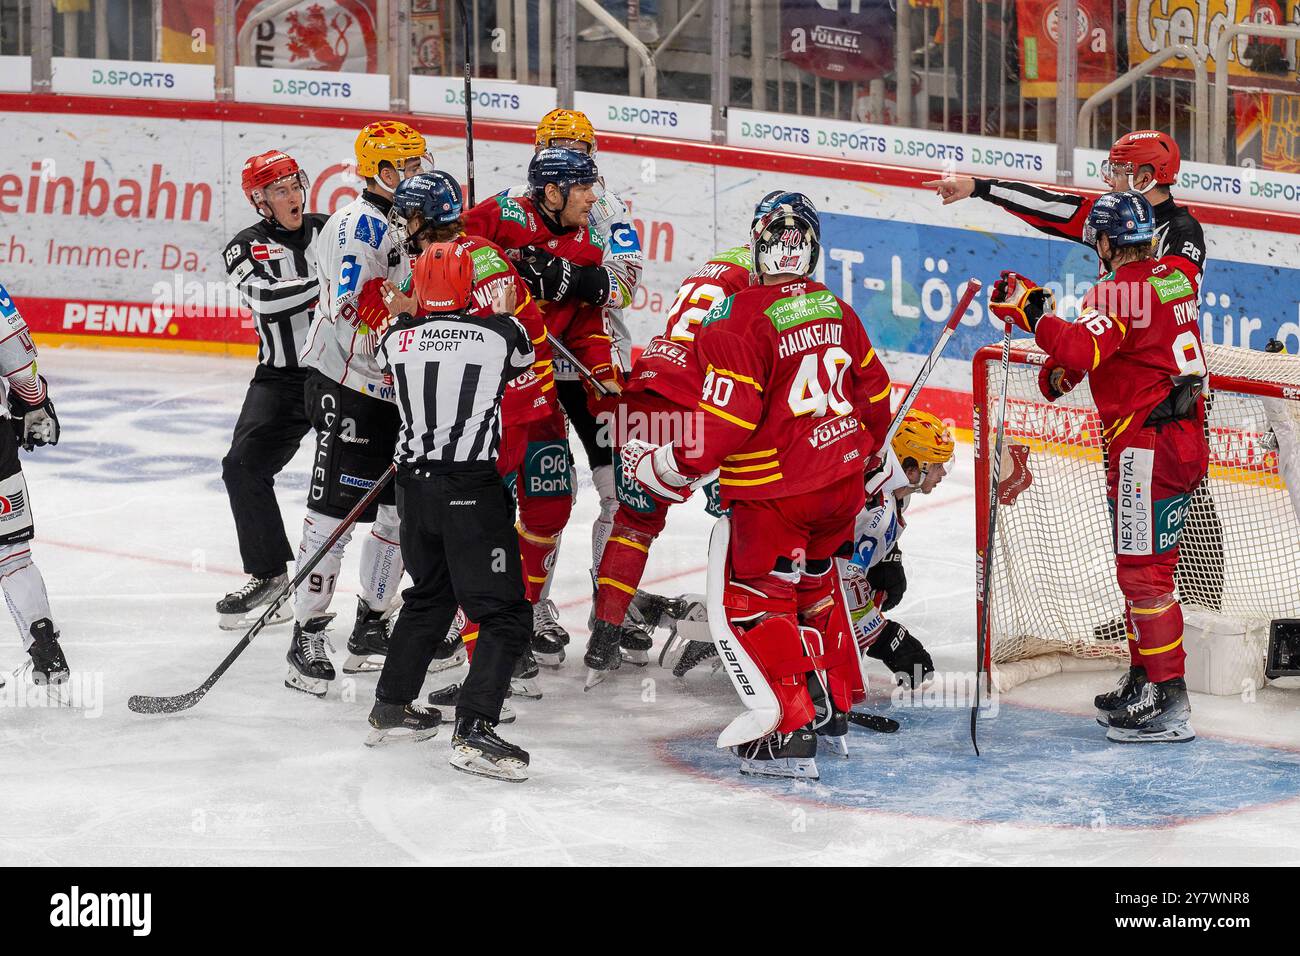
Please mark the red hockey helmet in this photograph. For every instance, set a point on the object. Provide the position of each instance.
(267, 168)
(1144, 147)
(444, 276)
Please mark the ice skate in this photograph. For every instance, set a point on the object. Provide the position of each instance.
(368, 643)
(49, 666)
(655, 610)
(476, 749)
(240, 609)
(549, 637)
(451, 651)
(310, 669)
(448, 697)
(603, 652)
(524, 682)
(835, 734)
(780, 755)
(1159, 713)
(1130, 685)
(402, 723)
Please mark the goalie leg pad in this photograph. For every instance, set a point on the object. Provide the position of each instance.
(313, 596)
(824, 607)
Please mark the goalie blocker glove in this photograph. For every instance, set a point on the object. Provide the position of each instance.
(551, 278)
(902, 653)
(34, 423)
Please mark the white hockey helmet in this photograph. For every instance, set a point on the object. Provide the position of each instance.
(787, 240)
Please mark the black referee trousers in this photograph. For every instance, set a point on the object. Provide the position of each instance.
(460, 547)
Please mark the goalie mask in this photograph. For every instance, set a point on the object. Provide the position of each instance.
(787, 241)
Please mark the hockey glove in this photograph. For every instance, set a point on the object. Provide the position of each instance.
(655, 469)
(34, 424)
(1020, 301)
(1055, 380)
(553, 279)
(887, 575)
(903, 654)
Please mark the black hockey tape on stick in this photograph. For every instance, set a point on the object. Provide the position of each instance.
(469, 108)
(145, 704)
(995, 479)
(973, 287)
(563, 351)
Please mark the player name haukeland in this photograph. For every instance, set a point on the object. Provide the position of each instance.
(76, 909)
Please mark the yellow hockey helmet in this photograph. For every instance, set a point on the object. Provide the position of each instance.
(386, 140)
(923, 438)
(565, 124)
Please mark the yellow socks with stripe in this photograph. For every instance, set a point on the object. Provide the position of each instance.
(621, 567)
(1158, 623)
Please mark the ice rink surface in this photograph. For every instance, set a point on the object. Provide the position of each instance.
(136, 542)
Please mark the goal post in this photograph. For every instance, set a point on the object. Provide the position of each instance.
(1054, 601)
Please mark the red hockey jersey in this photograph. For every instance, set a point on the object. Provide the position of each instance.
(515, 223)
(529, 397)
(1137, 329)
(794, 396)
(665, 365)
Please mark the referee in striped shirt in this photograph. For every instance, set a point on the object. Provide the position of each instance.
(449, 371)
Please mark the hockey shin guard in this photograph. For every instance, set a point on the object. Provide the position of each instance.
(313, 596)
(24, 588)
(620, 572)
(381, 561)
(1158, 622)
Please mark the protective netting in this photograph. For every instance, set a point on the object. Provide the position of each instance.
(1053, 584)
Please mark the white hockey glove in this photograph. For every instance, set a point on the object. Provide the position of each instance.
(654, 468)
(34, 424)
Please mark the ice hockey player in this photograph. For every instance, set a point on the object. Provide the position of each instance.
(457, 527)
(1145, 161)
(351, 404)
(658, 403)
(622, 266)
(874, 579)
(32, 422)
(432, 209)
(1137, 338)
(873, 576)
(273, 264)
(572, 291)
(795, 400)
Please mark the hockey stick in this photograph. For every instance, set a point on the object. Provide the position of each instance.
(973, 287)
(145, 704)
(995, 478)
(563, 351)
(469, 108)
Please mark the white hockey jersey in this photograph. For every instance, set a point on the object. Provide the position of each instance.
(875, 533)
(17, 357)
(357, 250)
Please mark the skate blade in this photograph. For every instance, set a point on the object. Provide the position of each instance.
(242, 622)
(527, 688)
(437, 666)
(595, 677)
(786, 768)
(637, 658)
(549, 660)
(363, 664)
(471, 760)
(399, 735)
(1178, 734)
(315, 686)
(838, 746)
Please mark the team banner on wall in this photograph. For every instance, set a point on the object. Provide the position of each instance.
(357, 91)
(493, 99)
(849, 41)
(645, 117)
(1253, 63)
(118, 236)
(162, 81)
(1038, 27)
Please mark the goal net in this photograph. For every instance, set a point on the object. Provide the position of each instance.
(1054, 601)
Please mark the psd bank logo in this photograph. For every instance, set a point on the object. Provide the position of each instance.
(548, 470)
